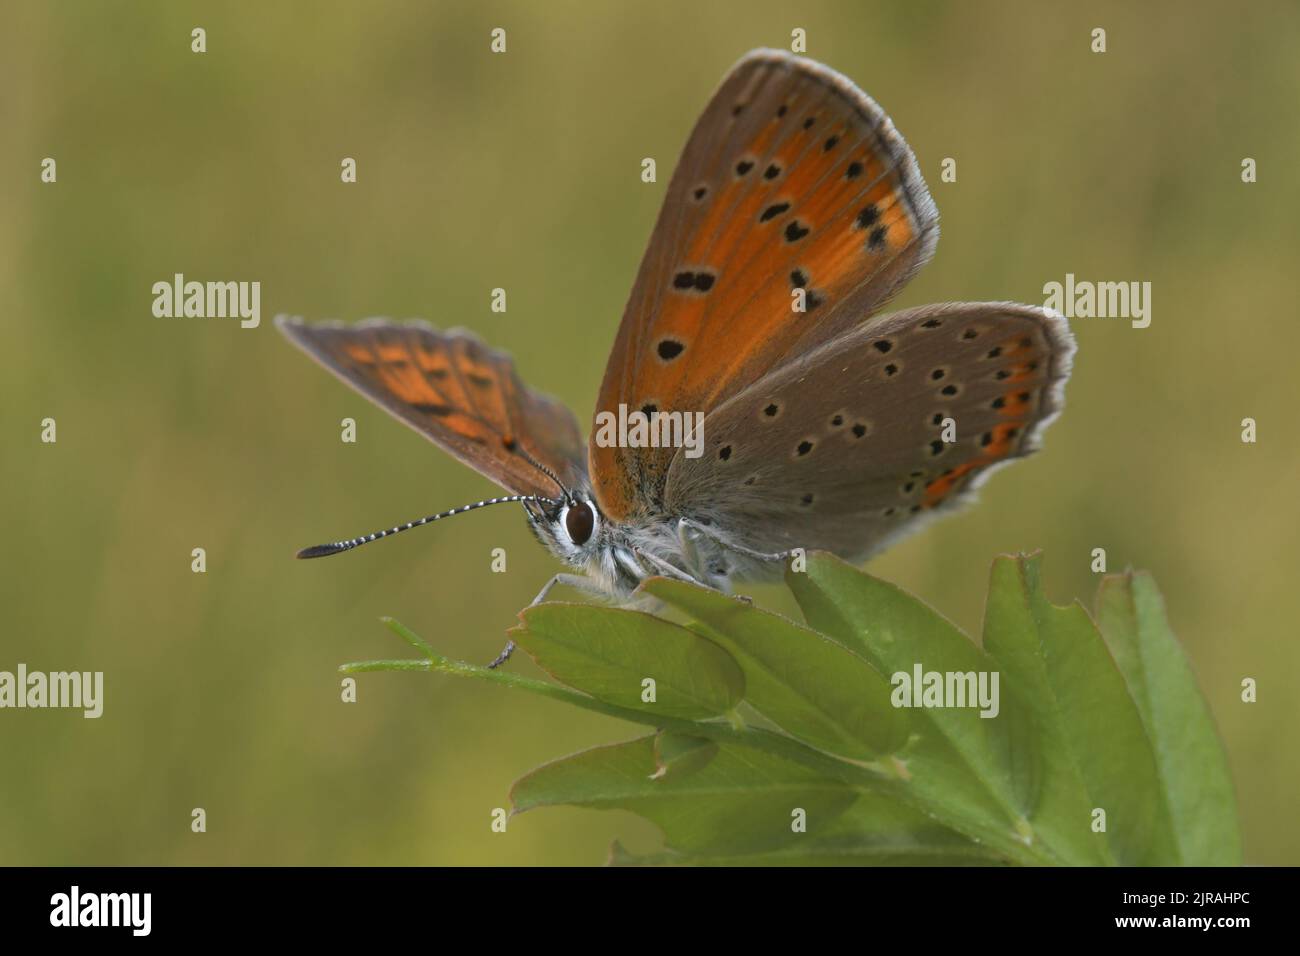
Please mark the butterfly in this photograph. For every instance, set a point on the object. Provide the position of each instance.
(795, 212)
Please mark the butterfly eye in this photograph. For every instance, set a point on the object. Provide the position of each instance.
(580, 522)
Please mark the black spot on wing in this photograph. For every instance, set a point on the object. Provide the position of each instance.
(867, 217)
(774, 210)
(698, 281)
(433, 408)
(669, 349)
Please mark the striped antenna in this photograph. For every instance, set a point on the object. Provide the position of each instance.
(338, 547)
(521, 450)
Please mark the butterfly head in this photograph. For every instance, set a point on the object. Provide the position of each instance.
(571, 527)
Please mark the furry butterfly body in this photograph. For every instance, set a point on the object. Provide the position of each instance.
(795, 212)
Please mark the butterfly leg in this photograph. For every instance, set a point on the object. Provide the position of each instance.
(667, 569)
(731, 546)
(712, 571)
(690, 553)
(572, 580)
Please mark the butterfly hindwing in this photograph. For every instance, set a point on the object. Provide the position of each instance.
(457, 392)
(792, 180)
(844, 448)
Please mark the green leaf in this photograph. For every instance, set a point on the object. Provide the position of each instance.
(779, 744)
(975, 774)
(742, 801)
(805, 683)
(878, 776)
(1087, 718)
(875, 830)
(1192, 766)
(677, 755)
(608, 652)
(1060, 808)
(801, 854)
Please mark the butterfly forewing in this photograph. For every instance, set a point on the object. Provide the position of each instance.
(844, 448)
(793, 179)
(457, 392)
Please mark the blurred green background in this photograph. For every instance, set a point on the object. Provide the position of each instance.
(522, 171)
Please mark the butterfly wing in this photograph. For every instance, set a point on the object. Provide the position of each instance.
(455, 391)
(843, 449)
(793, 178)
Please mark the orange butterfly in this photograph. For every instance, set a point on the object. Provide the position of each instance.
(796, 211)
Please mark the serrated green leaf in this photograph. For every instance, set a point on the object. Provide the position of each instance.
(976, 774)
(1058, 655)
(1192, 766)
(805, 683)
(741, 802)
(609, 652)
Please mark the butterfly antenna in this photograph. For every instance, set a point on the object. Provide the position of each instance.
(338, 547)
(564, 492)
